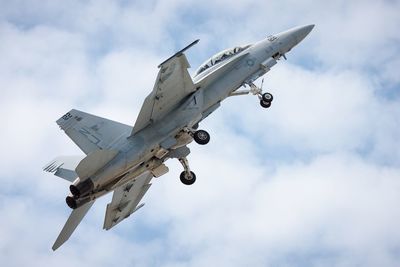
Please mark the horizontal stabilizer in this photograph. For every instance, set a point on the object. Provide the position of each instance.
(94, 162)
(73, 221)
(90, 132)
(64, 167)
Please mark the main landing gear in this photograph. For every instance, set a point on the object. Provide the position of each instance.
(187, 176)
(201, 137)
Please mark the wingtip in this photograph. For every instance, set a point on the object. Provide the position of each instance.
(56, 246)
(59, 242)
(180, 52)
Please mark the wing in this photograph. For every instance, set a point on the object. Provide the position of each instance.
(126, 199)
(91, 132)
(173, 83)
(64, 167)
(73, 221)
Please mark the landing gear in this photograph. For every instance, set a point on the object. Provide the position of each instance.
(265, 98)
(201, 137)
(188, 179)
(265, 104)
(187, 176)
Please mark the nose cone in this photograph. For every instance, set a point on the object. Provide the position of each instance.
(301, 32)
(288, 39)
(297, 34)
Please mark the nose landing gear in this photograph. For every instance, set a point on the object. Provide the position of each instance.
(265, 98)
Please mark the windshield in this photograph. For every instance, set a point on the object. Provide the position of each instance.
(221, 56)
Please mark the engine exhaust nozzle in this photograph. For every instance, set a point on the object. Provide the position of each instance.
(81, 188)
(75, 203)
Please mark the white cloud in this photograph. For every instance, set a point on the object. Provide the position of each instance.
(335, 204)
(323, 110)
(311, 182)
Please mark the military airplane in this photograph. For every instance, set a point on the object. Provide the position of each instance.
(124, 159)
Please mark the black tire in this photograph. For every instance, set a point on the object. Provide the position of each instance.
(187, 181)
(201, 137)
(267, 97)
(265, 104)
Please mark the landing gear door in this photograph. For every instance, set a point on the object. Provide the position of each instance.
(268, 64)
(265, 66)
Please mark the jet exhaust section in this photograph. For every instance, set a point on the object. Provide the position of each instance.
(75, 203)
(81, 188)
(71, 202)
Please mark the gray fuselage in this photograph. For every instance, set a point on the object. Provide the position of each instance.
(213, 86)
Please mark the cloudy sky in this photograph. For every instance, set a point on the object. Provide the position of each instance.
(313, 181)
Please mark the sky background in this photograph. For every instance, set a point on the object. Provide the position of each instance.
(312, 181)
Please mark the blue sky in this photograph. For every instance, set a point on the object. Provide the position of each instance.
(313, 181)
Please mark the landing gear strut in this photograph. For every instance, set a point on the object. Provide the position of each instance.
(187, 176)
(265, 98)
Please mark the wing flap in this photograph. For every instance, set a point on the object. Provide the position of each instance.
(126, 199)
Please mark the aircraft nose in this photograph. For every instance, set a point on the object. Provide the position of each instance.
(301, 32)
(292, 37)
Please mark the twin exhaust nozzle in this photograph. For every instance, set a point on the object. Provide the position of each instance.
(77, 191)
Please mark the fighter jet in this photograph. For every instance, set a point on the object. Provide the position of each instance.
(124, 159)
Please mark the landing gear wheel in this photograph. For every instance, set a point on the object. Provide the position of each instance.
(188, 180)
(201, 137)
(267, 97)
(265, 104)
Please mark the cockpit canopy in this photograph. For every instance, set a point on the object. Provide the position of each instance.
(221, 56)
